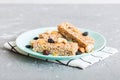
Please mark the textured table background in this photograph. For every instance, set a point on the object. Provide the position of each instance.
(15, 19)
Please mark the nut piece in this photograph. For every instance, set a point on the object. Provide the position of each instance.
(62, 40)
(89, 48)
(54, 32)
(81, 49)
(55, 54)
(32, 42)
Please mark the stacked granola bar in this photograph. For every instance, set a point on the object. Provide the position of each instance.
(70, 32)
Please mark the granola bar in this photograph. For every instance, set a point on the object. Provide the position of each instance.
(72, 33)
(59, 48)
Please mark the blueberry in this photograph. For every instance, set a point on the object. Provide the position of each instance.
(85, 34)
(35, 38)
(50, 40)
(28, 46)
(78, 53)
(46, 52)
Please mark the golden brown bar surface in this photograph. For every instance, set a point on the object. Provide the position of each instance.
(61, 49)
(72, 33)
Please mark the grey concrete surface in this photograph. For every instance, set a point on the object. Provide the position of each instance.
(15, 19)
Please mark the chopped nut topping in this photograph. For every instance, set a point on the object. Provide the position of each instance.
(81, 49)
(62, 40)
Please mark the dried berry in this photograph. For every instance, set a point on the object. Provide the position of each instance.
(46, 52)
(85, 34)
(35, 38)
(28, 46)
(78, 53)
(50, 40)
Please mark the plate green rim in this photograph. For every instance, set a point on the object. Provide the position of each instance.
(41, 56)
